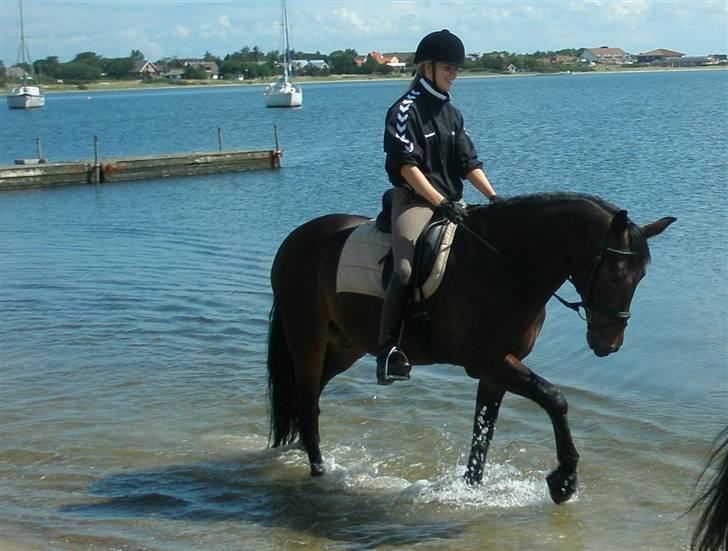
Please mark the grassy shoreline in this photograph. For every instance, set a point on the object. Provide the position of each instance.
(134, 85)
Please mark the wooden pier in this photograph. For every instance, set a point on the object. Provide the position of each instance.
(37, 174)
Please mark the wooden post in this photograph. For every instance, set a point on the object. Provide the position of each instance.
(38, 149)
(97, 165)
(219, 138)
(275, 133)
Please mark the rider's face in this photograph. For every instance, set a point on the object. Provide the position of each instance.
(444, 75)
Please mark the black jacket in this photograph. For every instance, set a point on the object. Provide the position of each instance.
(423, 128)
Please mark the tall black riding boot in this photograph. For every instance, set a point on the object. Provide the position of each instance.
(392, 364)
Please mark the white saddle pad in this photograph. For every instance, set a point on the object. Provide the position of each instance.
(360, 270)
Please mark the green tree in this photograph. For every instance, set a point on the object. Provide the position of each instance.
(3, 72)
(90, 58)
(78, 72)
(119, 67)
(341, 62)
(194, 73)
(136, 55)
(47, 67)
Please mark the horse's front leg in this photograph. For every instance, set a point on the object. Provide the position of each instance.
(487, 405)
(562, 481)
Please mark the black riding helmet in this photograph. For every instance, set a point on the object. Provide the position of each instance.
(442, 46)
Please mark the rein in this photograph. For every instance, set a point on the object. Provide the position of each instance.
(582, 308)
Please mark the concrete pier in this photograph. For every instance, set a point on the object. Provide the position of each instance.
(37, 174)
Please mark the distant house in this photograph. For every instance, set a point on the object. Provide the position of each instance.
(210, 67)
(387, 59)
(559, 59)
(174, 74)
(145, 69)
(310, 64)
(605, 56)
(510, 68)
(655, 55)
(684, 61)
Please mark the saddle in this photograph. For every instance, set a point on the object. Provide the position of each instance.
(366, 261)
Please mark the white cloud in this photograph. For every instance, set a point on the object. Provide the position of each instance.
(630, 12)
(350, 18)
(221, 27)
(181, 31)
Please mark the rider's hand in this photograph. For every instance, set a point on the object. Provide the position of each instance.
(453, 211)
(495, 198)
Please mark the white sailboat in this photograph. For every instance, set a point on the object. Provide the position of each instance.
(283, 92)
(25, 95)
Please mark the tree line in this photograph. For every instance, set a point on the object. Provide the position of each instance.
(252, 63)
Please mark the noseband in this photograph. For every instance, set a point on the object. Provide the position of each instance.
(585, 307)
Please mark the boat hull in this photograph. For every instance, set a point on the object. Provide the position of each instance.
(25, 97)
(284, 99)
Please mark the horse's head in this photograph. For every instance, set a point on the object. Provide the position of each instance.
(609, 282)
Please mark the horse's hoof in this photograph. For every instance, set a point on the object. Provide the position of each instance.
(317, 469)
(562, 484)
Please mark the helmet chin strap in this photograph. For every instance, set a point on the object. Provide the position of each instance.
(434, 78)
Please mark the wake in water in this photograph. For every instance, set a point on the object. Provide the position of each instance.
(355, 470)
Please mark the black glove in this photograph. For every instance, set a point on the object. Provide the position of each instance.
(453, 211)
(496, 199)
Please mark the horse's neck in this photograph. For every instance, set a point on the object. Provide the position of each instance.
(550, 243)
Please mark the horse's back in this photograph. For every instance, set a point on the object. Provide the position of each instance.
(308, 256)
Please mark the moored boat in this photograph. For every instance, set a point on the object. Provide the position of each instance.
(25, 95)
(283, 92)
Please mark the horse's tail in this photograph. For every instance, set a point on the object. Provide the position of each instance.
(282, 391)
(711, 531)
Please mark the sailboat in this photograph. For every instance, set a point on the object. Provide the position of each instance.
(283, 92)
(26, 95)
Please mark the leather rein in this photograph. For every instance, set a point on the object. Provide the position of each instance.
(584, 307)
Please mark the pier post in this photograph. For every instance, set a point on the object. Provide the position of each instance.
(219, 138)
(38, 149)
(97, 165)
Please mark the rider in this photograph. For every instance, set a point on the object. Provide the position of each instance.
(428, 154)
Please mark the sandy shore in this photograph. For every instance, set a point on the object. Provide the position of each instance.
(116, 86)
(7, 544)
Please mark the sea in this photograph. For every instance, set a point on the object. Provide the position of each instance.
(134, 324)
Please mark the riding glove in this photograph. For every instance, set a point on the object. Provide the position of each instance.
(495, 199)
(453, 211)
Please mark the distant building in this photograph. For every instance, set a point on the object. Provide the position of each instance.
(315, 64)
(684, 61)
(656, 55)
(387, 59)
(605, 56)
(145, 69)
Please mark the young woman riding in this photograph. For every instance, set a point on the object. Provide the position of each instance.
(428, 154)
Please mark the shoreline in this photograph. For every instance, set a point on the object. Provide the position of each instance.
(134, 86)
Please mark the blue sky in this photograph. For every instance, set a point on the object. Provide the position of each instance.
(187, 28)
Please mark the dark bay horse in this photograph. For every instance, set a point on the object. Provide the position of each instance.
(506, 261)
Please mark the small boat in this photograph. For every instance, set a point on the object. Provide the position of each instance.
(283, 92)
(25, 95)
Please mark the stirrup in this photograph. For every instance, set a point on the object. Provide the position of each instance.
(392, 366)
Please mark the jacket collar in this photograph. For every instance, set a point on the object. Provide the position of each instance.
(431, 90)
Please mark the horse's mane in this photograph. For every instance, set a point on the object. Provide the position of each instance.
(637, 239)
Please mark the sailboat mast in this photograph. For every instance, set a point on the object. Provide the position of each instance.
(286, 52)
(23, 53)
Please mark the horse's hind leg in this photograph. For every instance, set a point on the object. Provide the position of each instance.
(308, 348)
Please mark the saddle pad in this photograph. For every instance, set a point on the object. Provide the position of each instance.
(360, 269)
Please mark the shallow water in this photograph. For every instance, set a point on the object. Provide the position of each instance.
(134, 320)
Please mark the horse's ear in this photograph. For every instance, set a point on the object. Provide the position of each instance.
(656, 228)
(619, 223)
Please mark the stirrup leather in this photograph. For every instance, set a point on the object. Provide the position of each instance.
(393, 366)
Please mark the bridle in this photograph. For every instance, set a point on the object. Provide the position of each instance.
(586, 306)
